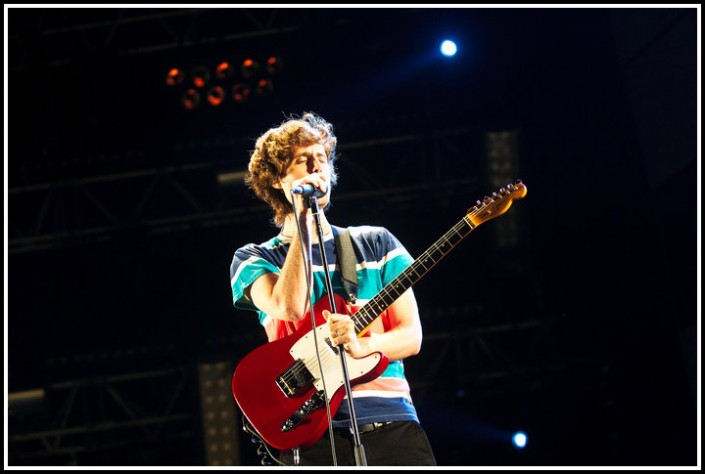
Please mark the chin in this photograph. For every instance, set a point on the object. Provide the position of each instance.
(324, 202)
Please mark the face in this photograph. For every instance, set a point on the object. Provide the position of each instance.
(307, 160)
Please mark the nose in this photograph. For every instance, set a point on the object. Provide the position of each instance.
(315, 165)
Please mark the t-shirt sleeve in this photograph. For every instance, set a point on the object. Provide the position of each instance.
(396, 258)
(246, 267)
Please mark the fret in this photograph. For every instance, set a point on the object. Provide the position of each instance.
(489, 208)
(412, 274)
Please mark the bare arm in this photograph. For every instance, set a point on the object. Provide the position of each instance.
(284, 296)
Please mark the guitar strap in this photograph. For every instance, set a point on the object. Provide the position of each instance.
(348, 261)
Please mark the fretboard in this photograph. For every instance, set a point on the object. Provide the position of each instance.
(412, 274)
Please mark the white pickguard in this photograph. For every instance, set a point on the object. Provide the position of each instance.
(305, 350)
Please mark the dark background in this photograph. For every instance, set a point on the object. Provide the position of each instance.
(572, 317)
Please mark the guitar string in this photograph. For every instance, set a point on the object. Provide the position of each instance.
(415, 266)
(384, 294)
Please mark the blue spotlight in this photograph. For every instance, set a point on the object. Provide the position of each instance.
(519, 439)
(448, 48)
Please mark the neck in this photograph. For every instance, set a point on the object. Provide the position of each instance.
(289, 229)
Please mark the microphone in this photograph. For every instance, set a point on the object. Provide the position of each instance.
(308, 190)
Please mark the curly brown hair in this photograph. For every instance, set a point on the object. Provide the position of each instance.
(273, 153)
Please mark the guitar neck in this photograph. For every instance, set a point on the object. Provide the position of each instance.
(412, 274)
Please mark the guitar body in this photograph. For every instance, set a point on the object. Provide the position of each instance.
(275, 381)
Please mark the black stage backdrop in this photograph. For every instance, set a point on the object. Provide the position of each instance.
(573, 317)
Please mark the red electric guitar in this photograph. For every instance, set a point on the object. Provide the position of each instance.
(279, 386)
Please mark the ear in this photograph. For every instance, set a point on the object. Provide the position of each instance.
(277, 185)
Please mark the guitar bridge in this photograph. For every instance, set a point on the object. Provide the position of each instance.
(313, 403)
(294, 379)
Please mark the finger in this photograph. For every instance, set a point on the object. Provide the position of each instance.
(321, 182)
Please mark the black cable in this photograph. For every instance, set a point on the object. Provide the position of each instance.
(263, 448)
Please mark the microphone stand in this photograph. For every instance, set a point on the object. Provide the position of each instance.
(358, 448)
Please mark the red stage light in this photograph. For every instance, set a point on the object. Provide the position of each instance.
(264, 86)
(240, 92)
(191, 99)
(248, 68)
(174, 77)
(224, 70)
(200, 76)
(274, 65)
(215, 96)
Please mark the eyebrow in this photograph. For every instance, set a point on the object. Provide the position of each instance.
(303, 153)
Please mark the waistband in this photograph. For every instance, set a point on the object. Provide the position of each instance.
(366, 427)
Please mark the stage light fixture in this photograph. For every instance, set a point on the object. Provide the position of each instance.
(213, 84)
(174, 77)
(248, 68)
(220, 418)
(274, 65)
(191, 99)
(200, 76)
(224, 70)
(240, 92)
(519, 440)
(215, 96)
(264, 86)
(448, 48)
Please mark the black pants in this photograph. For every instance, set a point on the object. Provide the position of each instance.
(400, 443)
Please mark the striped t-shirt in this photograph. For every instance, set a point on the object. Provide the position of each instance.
(380, 258)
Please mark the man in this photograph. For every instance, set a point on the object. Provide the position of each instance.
(271, 279)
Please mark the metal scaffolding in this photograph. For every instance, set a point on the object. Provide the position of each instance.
(100, 414)
(97, 417)
(196, 195)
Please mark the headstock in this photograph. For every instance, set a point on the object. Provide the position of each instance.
(497, 204)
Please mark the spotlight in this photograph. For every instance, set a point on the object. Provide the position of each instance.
(248, 68)
(274, 65)
(240, 92)
(264, 86)
(215, 96)
(448, 48)
(191, 99)
(200, 76)
(224, 70)
(519, 439)
(174, 77)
